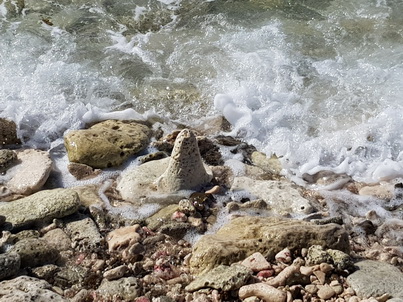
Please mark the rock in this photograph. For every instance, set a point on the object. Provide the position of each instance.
(72, 275)
(106, 144)
(209, 151)
(88, 195)
(244, 236)
(271, 165)
(326, 292)
(281, 196)
(184, 162)
(317, 255)
(10, 264)
(262, 291)
(175, 229)
(58, 239)
(125, 288)
(162, 216)
(123, 237)
(40, 207)
(31, 173)
(116, 273)
(7, 158)
(45, 272)
(26, 288)
(383, 191)
(287, 277)
(84, 234)
(8, 129)
(222, 277)
(256, 262)
(35, 252)
(81, 171)
(374, 279)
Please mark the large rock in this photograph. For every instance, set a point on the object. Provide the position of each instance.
(40, 207)
(374, 279)
(31, 173)
(28, 289)
(35, 252)
(281, 196)
(10, 264)
(106, 144)
(8, 129)
(244, 236)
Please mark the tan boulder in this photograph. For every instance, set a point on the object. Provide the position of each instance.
(243, 236)
(106, 144)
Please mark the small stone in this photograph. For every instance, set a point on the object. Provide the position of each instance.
(214, 190)
(123, 237)
(262, 291)
(321, 276)
(311, 288)
(326, 292)
(283, 256)
(127, 289)
(7, 158)
(31, 173)
(265, 273)
(116, 273)
(82, 171)
(256, 262)
(8, 129)
(58, 239)
(306, 270)
(326, 267)
(84, 234)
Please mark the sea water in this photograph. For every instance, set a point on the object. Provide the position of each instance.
(318, 83)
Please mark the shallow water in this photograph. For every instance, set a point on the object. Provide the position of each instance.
(316, 82)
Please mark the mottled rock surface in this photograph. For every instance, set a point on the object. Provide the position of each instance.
(28, 289)
(222, 277)
(106, 144)
(10, 264)
(244, 236)
(31, 173)
(84, 234)
(8, 129)
(374, 279)
(7, 158)
(35, 252)
(40, 207)
(125, 288)
(281, 196)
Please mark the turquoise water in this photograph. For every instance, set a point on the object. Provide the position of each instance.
(319, 83)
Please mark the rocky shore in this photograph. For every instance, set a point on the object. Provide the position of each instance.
(189, 215)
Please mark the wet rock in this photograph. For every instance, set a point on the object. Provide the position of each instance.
(374, 279)
(125, 288)
(222, 277)
(46, 272)
(89, 195)
(81, 171)
(162, 216)
(262, 291)
(10, 264)
(317, 255)
(327, 180)
(281, 196)
(209, 151)
(153, 156)
(383, 191)
(70, 275)
(35, 252)
(106, 144)
(28, 289)
(175, 229)
(40, 207)
(7, 158)
(271, 165)
(244, 236)
(58, 239)
(185, 160)
(84, 234)
(8, 129)
(31, 173)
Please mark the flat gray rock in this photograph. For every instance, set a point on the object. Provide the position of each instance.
(9, 264)
(40, 207)
(375, 278)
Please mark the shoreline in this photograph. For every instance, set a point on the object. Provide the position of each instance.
(90, 251)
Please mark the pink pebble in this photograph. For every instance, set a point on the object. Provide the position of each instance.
(265, 273)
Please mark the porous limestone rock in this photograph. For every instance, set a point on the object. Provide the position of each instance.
(84, 234)
(271, 165)
(281, 196)
(26, 288)
(222, 277)
(7, 158)
(186, 170)
(31, 173)
(123, 237)
(10, 263)
(106, 144)
(8, 131)
(127, 289)
(34, 252)
(244, 236)
(40, 207)
(375, 278)
(262, 291)
(159, 180)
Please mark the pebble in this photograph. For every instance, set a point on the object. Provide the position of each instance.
(116, 273)
(262, 291)
(9, 264)
(321, 276)
(306, 270)
(123, 237)
(283, 256)
(326, 292)
(311, 288)
(256, 262)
